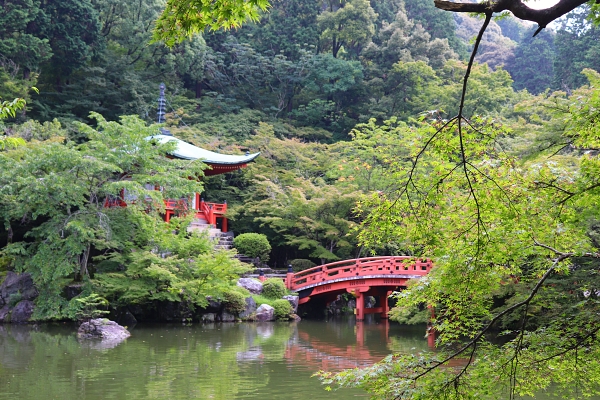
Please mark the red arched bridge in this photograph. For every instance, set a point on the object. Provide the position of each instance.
(371, 276)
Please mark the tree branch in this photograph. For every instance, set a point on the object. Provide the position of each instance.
(518, 8)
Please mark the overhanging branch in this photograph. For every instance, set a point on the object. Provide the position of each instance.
(518, 8)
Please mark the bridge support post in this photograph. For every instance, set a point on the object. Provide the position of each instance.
(385, 308)
(359, 294)
(360, 306)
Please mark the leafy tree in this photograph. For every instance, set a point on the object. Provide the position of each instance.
(72, 30)
(532, 67)
(438, 24)
(19, 44)
(577, 47)
(9, 109)
(404, 40)
(289, 28)
(501, 195)
(496, 49)
(167, 267)
(347, 24)
(175, 25)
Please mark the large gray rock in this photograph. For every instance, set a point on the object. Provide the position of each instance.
(22, 312)
(293, 300)
(18, 283)
(226, 317)
(250, 308)
(102, 328)
(265, 313)
(209, 317)
(252, 285)
(5, 314)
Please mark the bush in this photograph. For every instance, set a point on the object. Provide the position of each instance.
(300, 264)
(274, 288)
(234, 302)
(253, 245)
(283, 309)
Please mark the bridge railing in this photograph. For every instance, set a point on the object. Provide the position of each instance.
(360, 267)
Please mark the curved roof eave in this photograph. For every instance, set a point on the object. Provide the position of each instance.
(188, 151)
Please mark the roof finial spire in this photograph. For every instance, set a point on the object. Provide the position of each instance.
(161, 105)
(160, 115)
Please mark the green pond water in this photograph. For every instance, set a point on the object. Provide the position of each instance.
(200, 361)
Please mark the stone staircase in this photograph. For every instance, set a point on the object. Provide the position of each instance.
(223, 240)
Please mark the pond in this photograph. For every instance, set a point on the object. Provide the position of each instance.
(200, 361)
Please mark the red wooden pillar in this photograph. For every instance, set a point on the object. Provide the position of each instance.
(359, 294)
(360, 306)
(385, 308)
(224, 225)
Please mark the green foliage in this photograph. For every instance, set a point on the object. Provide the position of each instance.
(282, 309)
(60, 188)
(510, 239)
(24, 48)
(351, 26)
(410, 315)
(253, 245)
(14, 298)
(10, 108)
(274, 288)
(532, 68)
(577, 47)
(175, 25)
(234, 301)
(261, 299)
(300, 264)
(87, 307)
(169, 267)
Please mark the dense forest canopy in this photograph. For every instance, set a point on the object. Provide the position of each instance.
(353, 106)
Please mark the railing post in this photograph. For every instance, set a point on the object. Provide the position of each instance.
(289, 277)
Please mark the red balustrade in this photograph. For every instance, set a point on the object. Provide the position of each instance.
(393, 266)
(371, 276)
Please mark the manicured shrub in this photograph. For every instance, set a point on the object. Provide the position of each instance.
(253, 245)
(282, 309)
(300, 264)
(234, 302)
(274, 288)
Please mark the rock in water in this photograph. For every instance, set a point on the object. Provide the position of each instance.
(22, 312)
(265, 313)
(250, 308)
(102, 328)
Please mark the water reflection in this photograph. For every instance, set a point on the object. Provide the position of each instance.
(210, 361)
